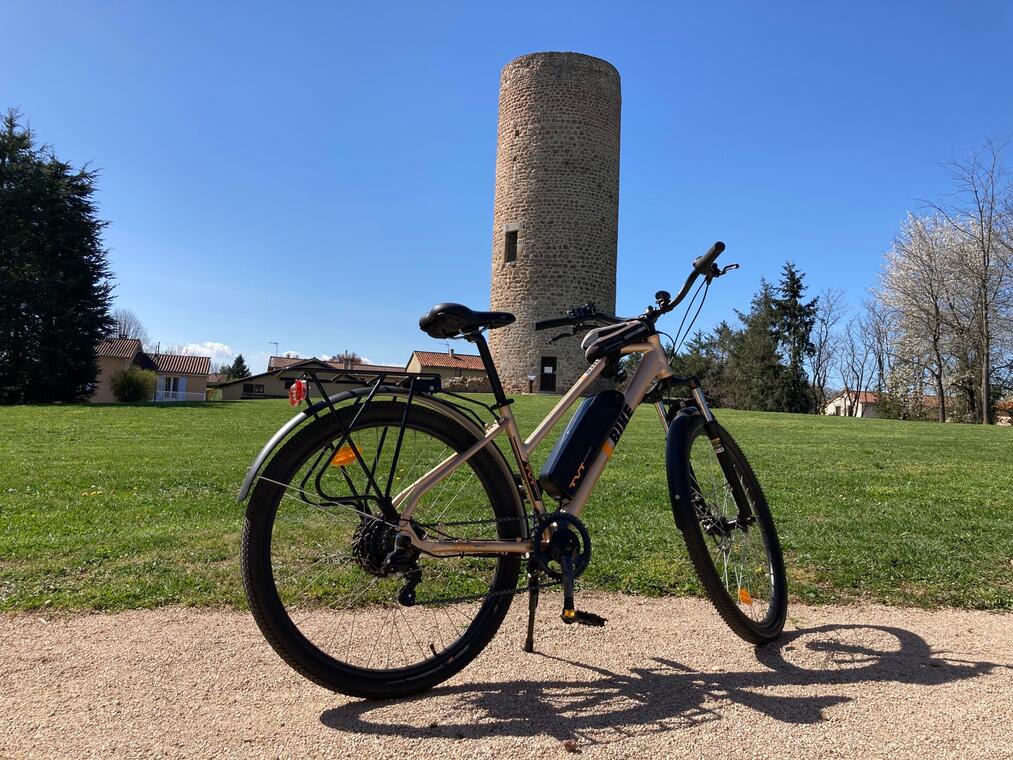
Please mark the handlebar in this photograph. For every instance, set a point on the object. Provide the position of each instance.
(702, 266)
(546, 324)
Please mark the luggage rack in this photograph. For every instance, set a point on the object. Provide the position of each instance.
(406, 384)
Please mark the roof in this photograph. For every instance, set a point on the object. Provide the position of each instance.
(280, 362)
(449, 361)
(118, 348)
(177, 364)
(277, 362)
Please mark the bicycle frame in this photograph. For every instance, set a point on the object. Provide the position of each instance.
(653, 366)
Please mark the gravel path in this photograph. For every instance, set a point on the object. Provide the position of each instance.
(663, 679)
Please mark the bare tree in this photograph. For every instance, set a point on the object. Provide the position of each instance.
(853, 364)
(980, 212)
(126, 324)
(830, 309)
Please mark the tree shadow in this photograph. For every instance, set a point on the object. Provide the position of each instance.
(599, 706)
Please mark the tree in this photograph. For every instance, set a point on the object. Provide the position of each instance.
(55, 290)
(981, 212)
(755, 373)
(915, 285)
(794, 325)
(126, 324)
(853, 364)
(238, 368)
(830, 308)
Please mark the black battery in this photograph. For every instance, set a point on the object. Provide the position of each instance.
(581, 441)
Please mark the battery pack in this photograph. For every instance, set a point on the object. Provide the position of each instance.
(581, 441)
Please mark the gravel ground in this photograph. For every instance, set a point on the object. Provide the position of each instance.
(664, 678)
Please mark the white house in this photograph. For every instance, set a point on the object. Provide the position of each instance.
(850, 404)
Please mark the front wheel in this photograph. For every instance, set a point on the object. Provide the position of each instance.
(728, 530)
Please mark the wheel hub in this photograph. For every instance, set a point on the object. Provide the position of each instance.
(372, 543)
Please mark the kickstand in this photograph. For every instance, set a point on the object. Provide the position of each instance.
(529, 642)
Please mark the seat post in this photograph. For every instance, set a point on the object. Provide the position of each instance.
(490, 369)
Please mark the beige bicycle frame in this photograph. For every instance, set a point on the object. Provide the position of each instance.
(653, 366)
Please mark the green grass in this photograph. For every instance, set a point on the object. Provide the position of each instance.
(111, 507)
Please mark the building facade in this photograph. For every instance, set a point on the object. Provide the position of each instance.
(556, 210)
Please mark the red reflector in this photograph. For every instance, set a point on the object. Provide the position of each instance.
(297, 392)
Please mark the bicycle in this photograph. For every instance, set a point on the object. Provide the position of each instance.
(394, 507)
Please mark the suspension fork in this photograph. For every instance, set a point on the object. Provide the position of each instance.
(710, 426)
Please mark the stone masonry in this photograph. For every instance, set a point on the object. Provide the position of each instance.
(556, 209)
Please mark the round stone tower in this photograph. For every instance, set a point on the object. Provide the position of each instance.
(556, 213)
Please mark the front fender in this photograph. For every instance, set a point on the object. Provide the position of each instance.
(676, 455)
(310, 412)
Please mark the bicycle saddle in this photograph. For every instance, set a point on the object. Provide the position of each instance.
(452, 320)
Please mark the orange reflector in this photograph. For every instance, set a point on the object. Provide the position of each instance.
(344, 455)
(745, 597)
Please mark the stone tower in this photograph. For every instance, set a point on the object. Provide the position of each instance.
(556, 213)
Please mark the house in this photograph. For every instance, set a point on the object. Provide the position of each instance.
(180, 378)
(841, 405)
(282, 371)
(868, 403)
(447, 365)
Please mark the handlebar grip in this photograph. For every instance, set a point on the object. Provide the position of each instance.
(702, 264)
(546, 324)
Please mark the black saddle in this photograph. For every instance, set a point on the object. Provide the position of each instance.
(452, 320)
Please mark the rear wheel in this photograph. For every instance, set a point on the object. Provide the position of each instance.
(319, 529)
(733, 546)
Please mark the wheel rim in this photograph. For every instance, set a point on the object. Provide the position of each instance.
(741, 557)
(326, 554)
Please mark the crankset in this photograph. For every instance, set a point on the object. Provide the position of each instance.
(562, 550)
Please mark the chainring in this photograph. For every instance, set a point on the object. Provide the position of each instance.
(557, 533)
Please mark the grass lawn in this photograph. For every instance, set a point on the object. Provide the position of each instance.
(110, 507)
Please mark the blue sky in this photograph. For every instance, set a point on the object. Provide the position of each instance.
(320, 174)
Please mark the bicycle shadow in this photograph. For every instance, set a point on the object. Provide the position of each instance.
(668, 695)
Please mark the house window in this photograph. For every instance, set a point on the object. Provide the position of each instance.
(253, 388)
(510, 246)
(170, 384)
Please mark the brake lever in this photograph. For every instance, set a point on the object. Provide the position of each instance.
(573, 331)
(728, 269)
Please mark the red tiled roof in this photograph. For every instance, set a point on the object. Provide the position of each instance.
(118, 348)
(277, 362)
(176, 364)
(448, 361)
(280, 362)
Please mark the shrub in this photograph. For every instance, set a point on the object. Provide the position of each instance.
(134, 384)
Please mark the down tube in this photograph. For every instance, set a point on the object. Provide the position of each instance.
(651, 367)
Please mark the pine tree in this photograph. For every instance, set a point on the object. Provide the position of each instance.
(794, 325)
(755, 374)
(55, 289)
(238, 368)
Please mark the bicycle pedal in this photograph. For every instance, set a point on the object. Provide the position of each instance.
(582, 618)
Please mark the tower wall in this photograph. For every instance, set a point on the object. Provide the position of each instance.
(556, 207)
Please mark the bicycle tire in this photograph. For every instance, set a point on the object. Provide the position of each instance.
(273, 618)
(687, 429)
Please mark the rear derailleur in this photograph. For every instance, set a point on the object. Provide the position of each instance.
(562, 550)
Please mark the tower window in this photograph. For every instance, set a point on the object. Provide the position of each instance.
(510, 246)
